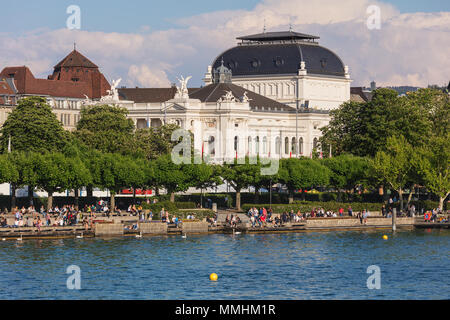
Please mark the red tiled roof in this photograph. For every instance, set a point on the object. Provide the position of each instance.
(75, 59)
(5, 88)
(74, 77)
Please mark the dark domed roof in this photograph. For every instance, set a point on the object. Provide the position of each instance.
(258, 56)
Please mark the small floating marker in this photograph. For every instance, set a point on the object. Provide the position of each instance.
(213, 277)
(385, 237)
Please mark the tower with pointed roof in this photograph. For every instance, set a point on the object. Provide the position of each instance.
(74, 67)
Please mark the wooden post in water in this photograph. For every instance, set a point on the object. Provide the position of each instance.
(394, 219)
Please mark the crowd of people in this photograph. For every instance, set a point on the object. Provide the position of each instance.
(264, 217)
(435, 215)
(67, 215)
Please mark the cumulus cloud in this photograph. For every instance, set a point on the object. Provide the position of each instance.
(408, 49)
(146, 77)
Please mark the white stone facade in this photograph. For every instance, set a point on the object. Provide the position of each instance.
(218, 127)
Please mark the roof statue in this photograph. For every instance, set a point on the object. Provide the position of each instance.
(86, 101)
(182, 90)
(245, 98)
(114, 91)
(113, 94)
(228, 97)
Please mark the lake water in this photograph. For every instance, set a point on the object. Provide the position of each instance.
(331, 265)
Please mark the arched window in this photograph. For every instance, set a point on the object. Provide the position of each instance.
(249, 149)
(236, 143)
(300, 146)
(257, 145)
(294, 146)
(211, 146)
(286, 145)
(264, 146)
(277, 145)
(315, 143)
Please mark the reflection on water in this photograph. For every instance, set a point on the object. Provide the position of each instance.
(318, 265)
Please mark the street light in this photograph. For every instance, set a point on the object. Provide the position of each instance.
(270, 192)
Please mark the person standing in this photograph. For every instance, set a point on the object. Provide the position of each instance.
(365, 216)
(350, 211)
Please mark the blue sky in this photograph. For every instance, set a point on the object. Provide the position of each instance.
(132, 15)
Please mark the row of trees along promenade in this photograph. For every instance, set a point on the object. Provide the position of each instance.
(393, 142)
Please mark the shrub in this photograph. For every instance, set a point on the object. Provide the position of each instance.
(185, 205)
(157, 207)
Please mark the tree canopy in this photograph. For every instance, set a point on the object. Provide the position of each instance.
(107, 129)
(303, 173)
(32, 126)
(362, 129)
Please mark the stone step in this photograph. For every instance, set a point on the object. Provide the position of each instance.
(222, 216)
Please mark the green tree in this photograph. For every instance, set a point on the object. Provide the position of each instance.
(347, 172)
(205, 176)
(116, 172)
(8, 171)
(9, 174)
(107, 129)
(25, 163)
(52, 173)
(432, 162)
(241, 176)
(153, 142)
(435, 106)
(362, 129)
(172, 177)
(394, 166)
(32, 126)
(302, 173)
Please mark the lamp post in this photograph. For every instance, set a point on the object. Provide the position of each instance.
(270, 193)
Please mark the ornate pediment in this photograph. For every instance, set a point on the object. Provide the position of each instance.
(174, 106)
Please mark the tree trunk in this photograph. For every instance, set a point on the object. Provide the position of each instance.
(172, 197)
(339, 195)
(49, 200)
(238, 199)
(256, 198)
(77, 195)
(201, 198)
(13, 196)
(291, 196)
(410, 196)
(30, 195)
(113, 202)
(400, 194)
(89, 192)
(441, 202)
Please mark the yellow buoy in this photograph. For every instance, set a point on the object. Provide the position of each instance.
(213, 277)
(385, 237)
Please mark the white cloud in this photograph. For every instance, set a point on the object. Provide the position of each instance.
(408, 49)
(146, 77)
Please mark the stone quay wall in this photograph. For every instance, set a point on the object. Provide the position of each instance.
(109, 229)
(353, 222)
(195, 227)
(153, 228)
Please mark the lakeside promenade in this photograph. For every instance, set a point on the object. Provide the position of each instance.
(103, 226)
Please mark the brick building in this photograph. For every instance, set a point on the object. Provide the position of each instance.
(74, 79)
